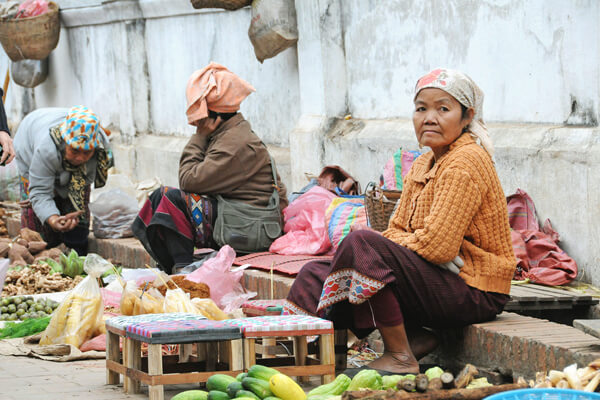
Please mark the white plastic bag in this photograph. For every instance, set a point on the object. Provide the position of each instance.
(29, 73)
(114, 212)
(273, 27)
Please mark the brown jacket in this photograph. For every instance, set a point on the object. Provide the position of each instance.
(456, 206)
(232, 162)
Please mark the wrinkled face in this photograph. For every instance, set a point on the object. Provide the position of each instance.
(438, 119)
(76, 156)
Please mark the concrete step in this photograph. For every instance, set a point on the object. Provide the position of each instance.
(589, 326)
(515, 345)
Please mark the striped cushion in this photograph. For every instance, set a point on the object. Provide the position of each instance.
(183, 331)
(263, 307)
(119, 324)
(284, 324)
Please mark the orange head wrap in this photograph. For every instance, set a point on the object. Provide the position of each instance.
(216, 88)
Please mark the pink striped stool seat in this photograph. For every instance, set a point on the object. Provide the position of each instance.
(281, 325)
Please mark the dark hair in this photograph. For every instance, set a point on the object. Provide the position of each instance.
(464, 111)
(224, 116)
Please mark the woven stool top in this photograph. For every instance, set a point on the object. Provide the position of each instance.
(263, 307)
(282, 325)
(119, 324)
(182, 331)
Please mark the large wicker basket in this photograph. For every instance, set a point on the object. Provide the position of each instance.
(226, 4)
(380, 205)
(31, 38)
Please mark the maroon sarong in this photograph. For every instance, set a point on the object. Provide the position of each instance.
(349, 290)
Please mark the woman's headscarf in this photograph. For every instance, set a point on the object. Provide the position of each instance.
(216, 88)
(80, 129)
(466, 92)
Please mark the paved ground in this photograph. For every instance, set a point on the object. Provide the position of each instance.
(33, 379)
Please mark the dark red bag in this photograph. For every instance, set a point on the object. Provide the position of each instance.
(538, 255)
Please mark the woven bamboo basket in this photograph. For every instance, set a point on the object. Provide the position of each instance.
(226, 4)
(380, 204)
(31, 38)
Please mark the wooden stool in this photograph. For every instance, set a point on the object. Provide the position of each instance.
(174, 328)
(299, 328)
(258, 308)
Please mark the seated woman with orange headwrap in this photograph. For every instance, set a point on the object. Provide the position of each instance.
(223, 158)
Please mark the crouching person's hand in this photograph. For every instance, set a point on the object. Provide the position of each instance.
(453, 266)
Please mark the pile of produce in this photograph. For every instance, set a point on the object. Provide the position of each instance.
(26, 248)
(259, 383)
(196, 290)
(586, 379)
(36, 278)
(24, 308)
(3, 230)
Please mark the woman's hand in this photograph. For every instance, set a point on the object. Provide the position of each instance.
(8, 151)
(362, 227)
(64, 223)
(206, 126)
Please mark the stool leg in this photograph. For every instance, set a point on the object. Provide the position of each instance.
(249, 352)
(155, 367)
(236, 358)
(113, 354)
(327, 356)
(266, 343)
(212, 355)
(341, 349)
(133, 350)
(300, 354)
(185, 350)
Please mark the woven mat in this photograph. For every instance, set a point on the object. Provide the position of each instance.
(290, 265)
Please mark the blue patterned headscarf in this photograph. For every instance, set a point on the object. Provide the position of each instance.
(80, 129)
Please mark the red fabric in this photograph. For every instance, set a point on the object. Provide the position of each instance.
(539, 257)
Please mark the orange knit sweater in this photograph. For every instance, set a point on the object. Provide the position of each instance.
(456, 206)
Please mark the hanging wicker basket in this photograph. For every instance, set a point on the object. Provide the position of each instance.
(380, 205)
(31, 38)
(226, 4)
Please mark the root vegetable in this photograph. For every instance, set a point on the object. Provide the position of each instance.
(544, 384)
(4, 250)
(447, 380)
(593, 383)
(22, 242)
(465, 376)
(30, 235)
(17, 252)
(407, 384)
(562, 384)
(572, 377)
(36, 247)
(554, 376)
(435, 384)
(421, 382)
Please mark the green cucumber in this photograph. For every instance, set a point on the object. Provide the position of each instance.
(233, 388)
(217, 395)
(219, 382)
(246, 393)
(191, 395)
(261, 372)
(257, 386)
(241, 376)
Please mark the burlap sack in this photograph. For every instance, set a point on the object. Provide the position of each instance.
(273, 27)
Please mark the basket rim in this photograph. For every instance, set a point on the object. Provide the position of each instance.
(53, 9)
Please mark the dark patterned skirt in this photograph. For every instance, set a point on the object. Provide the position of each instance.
(76, 239)
(172, 222)
(374, 282)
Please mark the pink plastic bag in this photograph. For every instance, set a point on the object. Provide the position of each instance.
(304, 224)
(224, 282)
(32, 8)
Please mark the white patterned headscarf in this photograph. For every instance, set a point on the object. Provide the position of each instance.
(467, 93)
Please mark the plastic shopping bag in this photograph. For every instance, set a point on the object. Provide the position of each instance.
(273, 27)
(305, 226)
(114, 212)
(224, 282)
(178, 301)
(79, 315)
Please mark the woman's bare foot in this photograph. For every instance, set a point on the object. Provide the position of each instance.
(422, 341)
(397, 362)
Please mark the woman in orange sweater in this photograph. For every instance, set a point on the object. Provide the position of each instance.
(446, 259)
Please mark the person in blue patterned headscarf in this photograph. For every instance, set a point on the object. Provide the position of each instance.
(60, 153)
